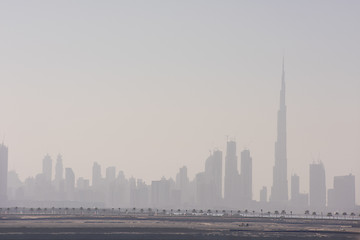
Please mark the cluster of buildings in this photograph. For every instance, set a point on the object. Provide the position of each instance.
(214, 188)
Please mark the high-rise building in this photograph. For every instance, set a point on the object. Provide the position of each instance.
(299, 201)
(110, 174)
(213, 175)
(69, 183)
(279, 190)
(182, 183)
(342, 196)
(246, 177)
(295, 187)
(3, 172)
(59, 169)
(47, 168)
(231, 182)
(96, 175)
(263, 195)
(317, 187)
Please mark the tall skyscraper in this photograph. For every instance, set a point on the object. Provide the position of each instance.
(47, 168)
(317, 187)
(246, 177)
(279, 189)
(231, 183)
(3, 172)
(96, 175)
(59, 169)
(342, 196)
(213, 177)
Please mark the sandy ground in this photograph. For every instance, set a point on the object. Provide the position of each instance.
(172, 227)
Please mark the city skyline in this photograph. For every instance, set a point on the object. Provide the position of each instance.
(152, 87)
(231, 188)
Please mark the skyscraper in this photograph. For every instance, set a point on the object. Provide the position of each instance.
(279, 189)
(317, 186)
(96, 175)
(59, 169)
(47, 168)
(213, 171)
(231, 182)
(3, 172)
(342, 196)
(246, 177)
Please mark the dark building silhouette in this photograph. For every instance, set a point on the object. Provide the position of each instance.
(263, 195)
(342, 196)
(317, 187)
(246, 177)
(299, 201)
(3, 173)
(213, 175)
(47, 168)
(279, 190)
(231, 183)
(96, 175)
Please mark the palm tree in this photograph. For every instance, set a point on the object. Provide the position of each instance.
(149, 210)
(246, 212)
(16, 210)
(164, 211)
(53, 210)
(283, 212)
(352, 215)
(344, 214)
(329, 214)
(307, 212)
(38, 210)
(194, 211)
(314, 214)
(276, 213)
(134, 210)
(179, 211)
(141, 211)
(337, 215)
(81, 210)
(89, 210)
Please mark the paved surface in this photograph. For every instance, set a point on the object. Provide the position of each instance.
(171, 227)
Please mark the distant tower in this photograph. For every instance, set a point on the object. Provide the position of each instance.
(213, 176)
(59, 169)
(47, 168)
(246, 176)
(279, 190)
(96, 175)
(231, 186)
(317, 187)
(3, 173)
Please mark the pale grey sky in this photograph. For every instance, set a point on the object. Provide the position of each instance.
(150, 86)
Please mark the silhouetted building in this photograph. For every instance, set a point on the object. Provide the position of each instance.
(182, 183)
(231, 184)
(59, 174)
(110, 174)
(317, 187)
(246, 177)
(69, 183)
(279, 190)
(263, 195)
(160, 193)
(47, 168)
(299, 200)
(3, 173)
(342, 196)
(96, 175)
(213, 177)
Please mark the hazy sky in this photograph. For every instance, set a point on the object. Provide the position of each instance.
(150, 86)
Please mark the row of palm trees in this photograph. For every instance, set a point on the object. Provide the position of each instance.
(171, 212)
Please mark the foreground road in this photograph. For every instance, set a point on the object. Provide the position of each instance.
(168, 228)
